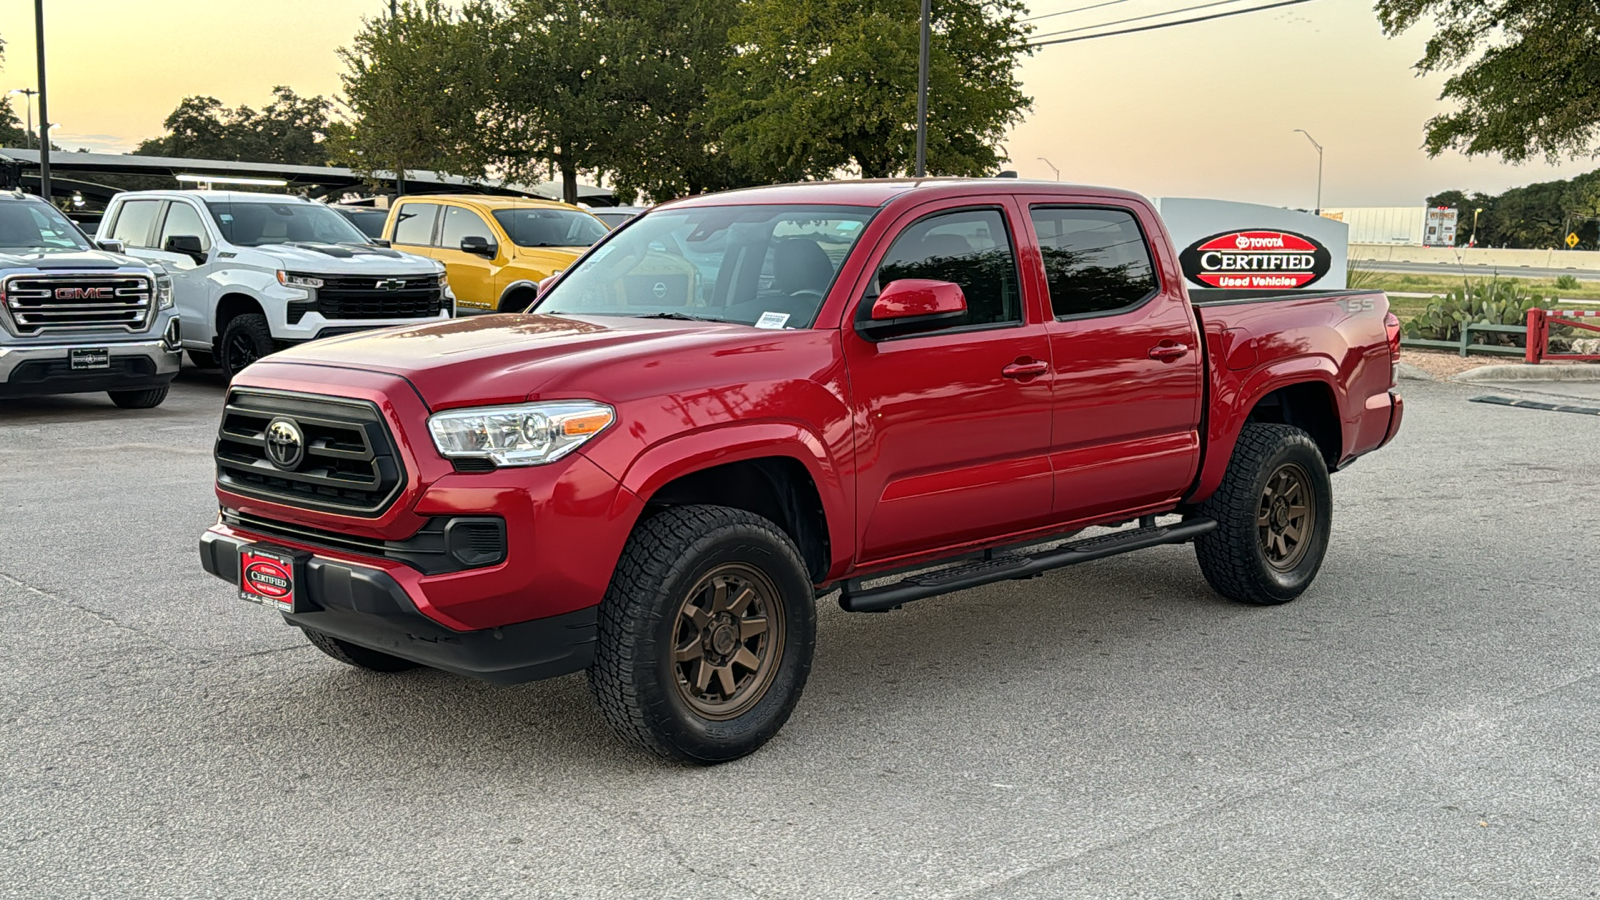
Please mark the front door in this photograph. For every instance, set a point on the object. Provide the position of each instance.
(191, 287)
(472, 276)
(1129, 367)
(953, 424)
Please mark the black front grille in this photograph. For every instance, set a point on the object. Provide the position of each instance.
(443, 544)
(38, 304)
(375, 298)
(349, 464)
(40, 370)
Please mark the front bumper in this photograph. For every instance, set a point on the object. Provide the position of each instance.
(365, 605)
(35, 369)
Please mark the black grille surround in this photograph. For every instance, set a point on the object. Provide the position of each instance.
(77, 301)
(442, 545)
(349, 466)
(373, 297)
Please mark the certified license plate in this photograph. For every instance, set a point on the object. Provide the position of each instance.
(90, 357)
(266, 576)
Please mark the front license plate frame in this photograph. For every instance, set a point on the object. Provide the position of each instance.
(89, 358)
(272, 576)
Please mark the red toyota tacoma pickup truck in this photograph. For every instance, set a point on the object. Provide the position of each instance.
(738, 403)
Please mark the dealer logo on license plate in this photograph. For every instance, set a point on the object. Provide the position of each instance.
(266, 578)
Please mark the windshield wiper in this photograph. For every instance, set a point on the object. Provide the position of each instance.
(683, 317)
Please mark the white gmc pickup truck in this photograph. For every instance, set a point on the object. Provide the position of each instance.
(254, 273)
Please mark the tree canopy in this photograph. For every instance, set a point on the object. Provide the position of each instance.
(1526, 80)
(1536, 215)
(290, 130)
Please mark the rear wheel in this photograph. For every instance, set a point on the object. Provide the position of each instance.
(245, 340)
(356, 655)
(1274, 512)
(146, 399)
(706, 635)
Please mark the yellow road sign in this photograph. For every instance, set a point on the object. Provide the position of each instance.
(1572, 239)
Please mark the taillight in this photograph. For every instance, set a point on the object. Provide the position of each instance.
(1391, 330)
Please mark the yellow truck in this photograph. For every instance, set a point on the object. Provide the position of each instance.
(495, 250)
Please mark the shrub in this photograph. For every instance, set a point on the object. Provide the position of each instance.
(1498, 302)
(1567, 283)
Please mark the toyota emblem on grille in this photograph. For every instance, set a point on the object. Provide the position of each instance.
(285, 444)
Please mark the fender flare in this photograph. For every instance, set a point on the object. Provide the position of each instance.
(513, 286)
(1274, 376)
(736, 442)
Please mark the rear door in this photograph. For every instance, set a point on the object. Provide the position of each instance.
(953, 425)
(472, 277)
(1128, 362)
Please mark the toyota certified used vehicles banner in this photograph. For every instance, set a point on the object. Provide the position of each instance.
(1247, 246)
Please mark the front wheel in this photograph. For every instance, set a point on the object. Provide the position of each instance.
(1274, 511)
(244, 340)
(706, 635)
(146, 399)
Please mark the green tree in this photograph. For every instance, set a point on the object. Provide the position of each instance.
(1527, 74)
(12, 134)
(416, 89)
(821, 85)
(291, 130)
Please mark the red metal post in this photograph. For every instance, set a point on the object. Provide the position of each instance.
(1538, 336)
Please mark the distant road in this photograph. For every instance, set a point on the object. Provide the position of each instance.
(1379, 265)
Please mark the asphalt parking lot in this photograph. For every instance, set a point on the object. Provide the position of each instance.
(1425, 722)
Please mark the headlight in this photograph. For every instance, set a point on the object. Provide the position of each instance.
(289, 279)
(529, 435)
(163, 291)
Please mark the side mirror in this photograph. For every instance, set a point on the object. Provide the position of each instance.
(188, 245)
(479, 246)
(910, 305)
(111, 246)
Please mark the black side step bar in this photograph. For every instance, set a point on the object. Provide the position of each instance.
(854, 598)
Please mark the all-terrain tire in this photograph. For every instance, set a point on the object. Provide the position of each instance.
(660, 623)
(1250, 557)
(149, 398)
(245, 340)
(355, 655)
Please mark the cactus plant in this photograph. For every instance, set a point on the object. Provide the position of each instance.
(1495, 301)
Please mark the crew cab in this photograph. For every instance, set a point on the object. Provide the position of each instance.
(888, 390)
(253, 273)
(496, 249)
(77, 318)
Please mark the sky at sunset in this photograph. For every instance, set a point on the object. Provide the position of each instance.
(1205, 110)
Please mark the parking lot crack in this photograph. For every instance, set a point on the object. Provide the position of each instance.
(86, 610)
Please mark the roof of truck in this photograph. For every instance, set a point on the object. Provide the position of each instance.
(878, 191)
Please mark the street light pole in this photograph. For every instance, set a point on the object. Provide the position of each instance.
(1319, 166)
(922, 92)
(1473, 241)
(27, 140)
(44, 114)
(1052, 167)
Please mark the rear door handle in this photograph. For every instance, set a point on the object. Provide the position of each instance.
(1029, 369)
(1169, 352)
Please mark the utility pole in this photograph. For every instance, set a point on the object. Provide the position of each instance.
(44, 114)
(922, 92)
(29, 92)
(1319, 166)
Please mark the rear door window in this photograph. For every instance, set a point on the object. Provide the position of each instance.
(134, 221)
(1095, 260)
(414, 224)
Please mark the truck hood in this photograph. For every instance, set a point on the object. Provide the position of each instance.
(340, 259)
(486, 360)
(61, 258)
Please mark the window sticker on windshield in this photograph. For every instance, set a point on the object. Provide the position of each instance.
(772, 320)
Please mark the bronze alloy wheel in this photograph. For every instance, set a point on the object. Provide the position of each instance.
(727, 641)
(1286, 516)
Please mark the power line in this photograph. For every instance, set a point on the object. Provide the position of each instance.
(1220, 15)
(1078, 9)
(1156, 15)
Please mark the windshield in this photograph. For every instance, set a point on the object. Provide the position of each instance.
(29, 225)
(254, 223)
(770, 265)
(544, 227)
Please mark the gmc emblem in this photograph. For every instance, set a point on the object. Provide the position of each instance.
(80, 293)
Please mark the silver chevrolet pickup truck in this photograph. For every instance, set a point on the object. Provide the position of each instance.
(79, 317)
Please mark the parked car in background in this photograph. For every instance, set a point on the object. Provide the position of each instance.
(496, 249)
(75, 318)
(253, 273)
(655, 477)
(368, 219)
(614, 216)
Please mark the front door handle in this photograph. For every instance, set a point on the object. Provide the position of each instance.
(1026, 369)
(1169, 352)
